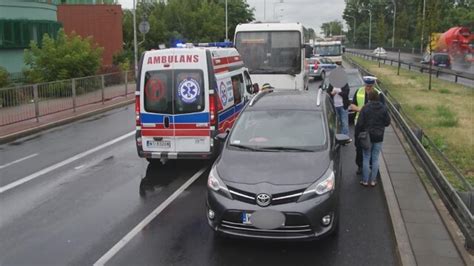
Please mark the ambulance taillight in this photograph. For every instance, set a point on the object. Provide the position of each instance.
(212, 110)
(137, 110)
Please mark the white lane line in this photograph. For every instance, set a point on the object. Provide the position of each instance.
(117, 247)
(19, 160)
(63, 163)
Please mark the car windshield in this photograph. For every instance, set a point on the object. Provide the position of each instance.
(277, 52)
(290, 130)
(327, 50)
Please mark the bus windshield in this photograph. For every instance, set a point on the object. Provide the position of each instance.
(328, 50)
(273, 52)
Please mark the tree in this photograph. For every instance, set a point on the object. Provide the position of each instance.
(64, 58)
(332, 28)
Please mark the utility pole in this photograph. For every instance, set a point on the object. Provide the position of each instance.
(354, 30)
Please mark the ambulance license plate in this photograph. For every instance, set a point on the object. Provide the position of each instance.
(158, 144)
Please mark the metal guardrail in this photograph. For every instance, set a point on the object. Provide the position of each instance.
(25, 102)
(460, 209)
(416, 66)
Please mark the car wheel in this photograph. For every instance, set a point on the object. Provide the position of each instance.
(323, 75)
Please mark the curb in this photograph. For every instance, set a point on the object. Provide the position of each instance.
(404, 250)
(30, 131)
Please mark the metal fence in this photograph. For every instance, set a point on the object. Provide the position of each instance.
(27, 102)
(417, 66)
(457, 198)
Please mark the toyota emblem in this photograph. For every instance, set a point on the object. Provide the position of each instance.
(263, 200)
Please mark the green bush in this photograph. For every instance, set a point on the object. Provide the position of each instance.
(4, 77)
(62, 58)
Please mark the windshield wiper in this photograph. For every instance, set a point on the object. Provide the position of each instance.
(279, 148)
(245, 147)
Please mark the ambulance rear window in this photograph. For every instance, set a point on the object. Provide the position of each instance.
(174, 91)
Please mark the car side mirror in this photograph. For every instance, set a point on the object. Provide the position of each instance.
(255, 88)
(250, 88)
(342, 139)
(221, 137)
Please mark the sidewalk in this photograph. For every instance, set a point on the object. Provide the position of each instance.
(421, 235)
(31, 126)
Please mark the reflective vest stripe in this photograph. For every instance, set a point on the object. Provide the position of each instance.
(360, 101)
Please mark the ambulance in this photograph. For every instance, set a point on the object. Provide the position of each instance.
(185, 97)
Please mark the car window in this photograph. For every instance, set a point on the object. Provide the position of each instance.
(248, 82)
(237, 87)
(279, 128)
(174, 91)
(158, 92)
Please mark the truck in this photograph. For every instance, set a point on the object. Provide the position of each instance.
(274, 53)
(457, 42)
(329, 49)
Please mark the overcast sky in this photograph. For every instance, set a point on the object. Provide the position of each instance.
(312, 13)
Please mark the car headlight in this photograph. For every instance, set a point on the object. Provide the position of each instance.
(325, 184)
(215, 183)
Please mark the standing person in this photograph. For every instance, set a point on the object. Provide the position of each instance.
(338, 89)
(373, 118)
(341, 102)
(359, 100)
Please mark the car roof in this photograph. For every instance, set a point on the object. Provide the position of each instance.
(288, 100)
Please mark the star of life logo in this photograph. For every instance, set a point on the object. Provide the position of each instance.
(189, 90)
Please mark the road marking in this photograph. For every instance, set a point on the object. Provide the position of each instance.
(79, 167)
(63, 163)
(19, 160)
(119, 245)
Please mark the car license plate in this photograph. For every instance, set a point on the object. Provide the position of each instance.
(442, 65)
(246, 218)
(158, 144)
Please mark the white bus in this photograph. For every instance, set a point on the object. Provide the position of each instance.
(274, 53)
(329, 49)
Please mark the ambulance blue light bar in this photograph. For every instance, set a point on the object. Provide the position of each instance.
(205, 44)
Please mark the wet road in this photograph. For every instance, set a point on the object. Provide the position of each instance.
(75, 205)
(416, 58)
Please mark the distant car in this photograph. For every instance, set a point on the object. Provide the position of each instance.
(355, 81)
(437, 59)
(273, 181)
(319, 67)
(380, 52)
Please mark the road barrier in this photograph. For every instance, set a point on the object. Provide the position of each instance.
(416, 66)
(459, 200)
(25, 102)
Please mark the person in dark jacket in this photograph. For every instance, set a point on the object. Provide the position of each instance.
(373, 118)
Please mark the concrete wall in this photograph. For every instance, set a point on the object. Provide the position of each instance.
(12, 60)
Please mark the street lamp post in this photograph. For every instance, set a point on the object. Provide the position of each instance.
(370, 27)
(135, 48)
(394, 17)
(274, 5)
(226, 23)
(422, 27)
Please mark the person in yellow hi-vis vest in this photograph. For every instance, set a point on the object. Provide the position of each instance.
(358, 101)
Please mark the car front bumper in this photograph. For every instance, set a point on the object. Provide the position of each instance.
(303, 220)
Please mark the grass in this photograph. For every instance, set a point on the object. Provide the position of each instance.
(446, 112)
